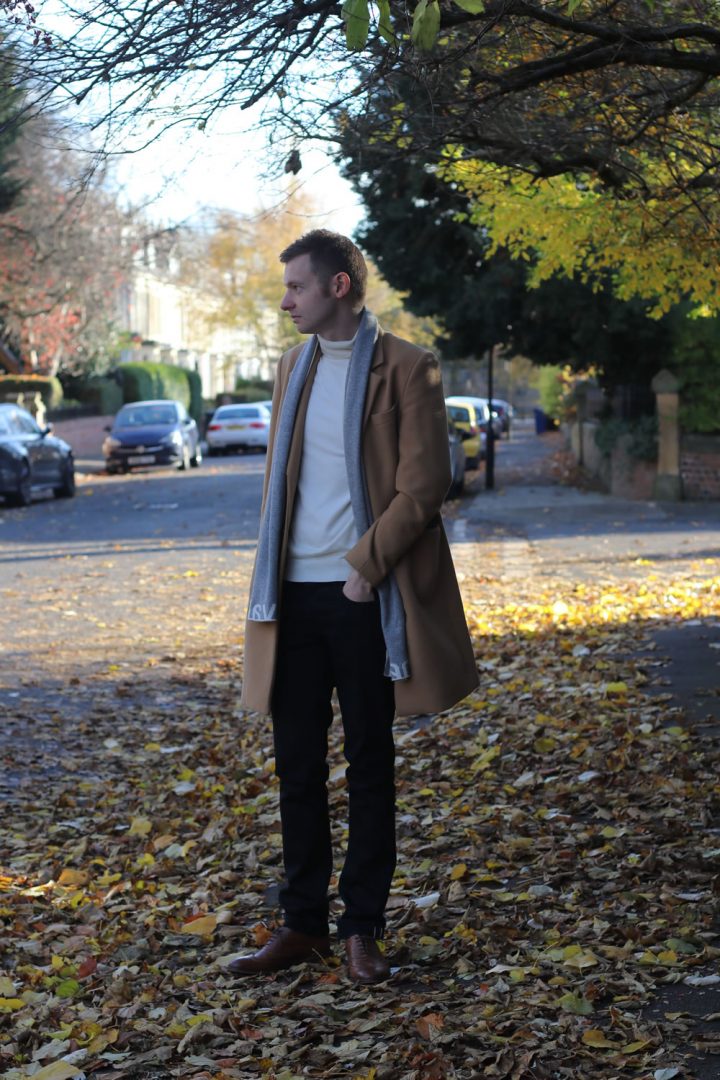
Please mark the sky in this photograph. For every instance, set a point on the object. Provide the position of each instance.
(186, 172)
(182, 175)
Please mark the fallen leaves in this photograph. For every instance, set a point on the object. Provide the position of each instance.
(558, 863)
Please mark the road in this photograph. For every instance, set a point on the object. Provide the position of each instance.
(134, 583)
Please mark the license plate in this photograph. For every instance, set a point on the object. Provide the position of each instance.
(141, 459)
(236, 427)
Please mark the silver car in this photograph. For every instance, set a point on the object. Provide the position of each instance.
(239, 427)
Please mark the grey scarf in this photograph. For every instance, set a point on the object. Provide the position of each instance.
(264, 595)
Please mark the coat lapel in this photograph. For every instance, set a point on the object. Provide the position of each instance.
(376, 378)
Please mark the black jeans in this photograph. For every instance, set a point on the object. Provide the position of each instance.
(329, 641)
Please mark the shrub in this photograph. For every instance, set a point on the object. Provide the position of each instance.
(552, 389)
(49, 388)
(145, 380)
(642, 441)
(195, 407)
(104, 394)
(249, 390)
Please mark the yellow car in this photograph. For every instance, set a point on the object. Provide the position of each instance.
(471, 418)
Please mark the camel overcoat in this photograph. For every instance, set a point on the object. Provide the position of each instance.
(407, 467)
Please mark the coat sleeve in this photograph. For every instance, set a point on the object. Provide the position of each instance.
(423, 474)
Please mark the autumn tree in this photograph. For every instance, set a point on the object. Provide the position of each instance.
(65, 248)
(417, 229)
(235, 267)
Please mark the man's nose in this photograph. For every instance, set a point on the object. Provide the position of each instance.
(286, 302)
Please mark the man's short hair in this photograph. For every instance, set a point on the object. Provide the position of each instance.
(332, 253)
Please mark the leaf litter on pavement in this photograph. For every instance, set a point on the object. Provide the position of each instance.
(558, 864)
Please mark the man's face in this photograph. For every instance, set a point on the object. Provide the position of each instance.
(313, 307)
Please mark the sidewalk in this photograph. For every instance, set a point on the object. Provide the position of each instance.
(85, 435)
(542, 525)
(524, 532)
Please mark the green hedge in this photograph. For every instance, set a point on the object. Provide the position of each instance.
(145, 380)
(104, 394)
(49, 388)
(195, 408)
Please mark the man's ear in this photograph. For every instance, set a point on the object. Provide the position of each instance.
(340, 285)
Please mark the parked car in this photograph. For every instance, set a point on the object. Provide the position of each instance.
(458, 460)
(504, 412)
(239, 427)
(152, 433)
(32, 460)
(470, 416)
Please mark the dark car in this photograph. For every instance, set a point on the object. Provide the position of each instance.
(504, 411)
(152, 433)
(458, 459)
(31, 459)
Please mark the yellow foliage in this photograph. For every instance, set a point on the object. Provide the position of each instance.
(662, 247)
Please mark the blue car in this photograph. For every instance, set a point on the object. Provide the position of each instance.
(32, 459)
(152, 433)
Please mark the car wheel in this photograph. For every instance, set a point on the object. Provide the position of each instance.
(184, 463)
(23, 495)
(67, 488)
(197, 457)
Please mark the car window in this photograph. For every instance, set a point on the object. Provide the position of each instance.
(459, 414)
(23, 423)
(140, 415)
(238, 412)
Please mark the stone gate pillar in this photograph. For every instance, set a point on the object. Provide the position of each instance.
(668, 482)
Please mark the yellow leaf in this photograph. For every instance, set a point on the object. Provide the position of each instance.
(582, 960)
(571, 950)
(140, 826)
(544, 745)
(458, 871)
(103, 1040)
(243, 1004)
(199, 1018)
(594, 1037)
(10, 1004)
(634, 1047)
(59, 1070)
(203, 926)
(152, 746)
(616, 688)
(426, 791)
(669, 956)
(73, 877)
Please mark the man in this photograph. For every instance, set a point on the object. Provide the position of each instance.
(353, 589)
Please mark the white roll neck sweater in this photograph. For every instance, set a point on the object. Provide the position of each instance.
(323, 528)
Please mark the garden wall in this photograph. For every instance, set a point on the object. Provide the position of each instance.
(700, 466)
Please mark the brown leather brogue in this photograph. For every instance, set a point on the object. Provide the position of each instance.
(285, 948)
(366, 962)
